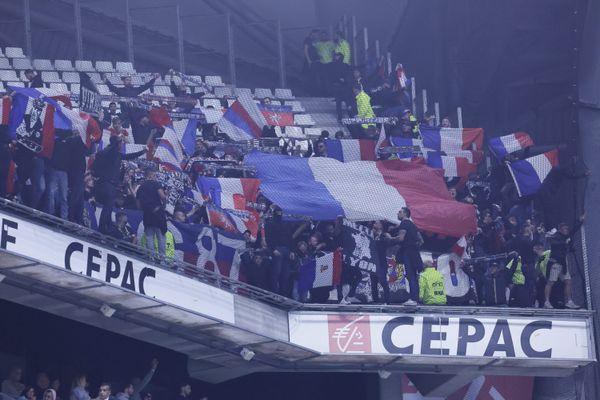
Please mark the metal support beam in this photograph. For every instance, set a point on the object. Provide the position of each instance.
(366, 43)
(78, 30)
(180, 48)
(230, 49)
(424, 102)
(281, 56)
(459, 117)
(413, 95)
(129, 26)
(27, 19)
(437, 113)
(389, 62)
(377, 50)
(354, 46)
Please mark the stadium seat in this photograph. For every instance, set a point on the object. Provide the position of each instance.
(14, 52)
(261, 93)
(40, 64)
(103, 89)
(283, 93)
(50, 76)
(213, 80)
(70, 77)
(74, 88)
(17, 84)
(303, 120)
(200, 89)
(8, 75)
(95, 77)
(22, 63)
(63, 65)
(294, 132)
(4, 63)
(296, 106)
(104, 66)
(195, 77)
(59, 87)
(124, 66)
(84, 66)
(221, 91)
(161, 90)
(243, 92)
(216, 103)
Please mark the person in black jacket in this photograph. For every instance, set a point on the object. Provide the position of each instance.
(128, 90)
(277, 239)
(107, 169)
(57, 177)
(35, 80)
(341, 76)
(76, 172)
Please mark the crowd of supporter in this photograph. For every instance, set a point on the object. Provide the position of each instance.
(76, 179)
(48, 387)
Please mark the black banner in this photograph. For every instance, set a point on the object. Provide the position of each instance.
(360, 248)
(90, 100)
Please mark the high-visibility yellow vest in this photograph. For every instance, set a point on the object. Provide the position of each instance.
(431, 287)
(518, 277)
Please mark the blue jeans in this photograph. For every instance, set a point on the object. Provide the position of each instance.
(56, 195)
(151, 232)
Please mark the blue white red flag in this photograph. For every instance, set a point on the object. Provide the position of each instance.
(243, 120)
(186, 131)
(208, 248)
(233, 221)
(530, 173)
(452, 166)
(169, 150)
(229, 193)
(323, 189)
(126, 148)
(277, 115)
(505, 145)
(346, 150)
(451, 139)
(414, 147)
(320, 272)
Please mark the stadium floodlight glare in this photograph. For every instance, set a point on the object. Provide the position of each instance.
(107, 310)
(247, 354)
(383, 374)
(2, 277)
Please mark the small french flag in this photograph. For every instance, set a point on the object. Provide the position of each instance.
(229, 193)
(505, 145)
(450, 139)
(320, 272)
(529, 174)
(452, 166)
(346, 150)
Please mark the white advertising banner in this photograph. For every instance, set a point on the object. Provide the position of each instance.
(49, 247)
(431, 335)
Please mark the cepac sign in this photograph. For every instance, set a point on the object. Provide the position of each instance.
(23, 238)
(466, 336)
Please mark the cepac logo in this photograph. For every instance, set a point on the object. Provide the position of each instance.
(349, 334)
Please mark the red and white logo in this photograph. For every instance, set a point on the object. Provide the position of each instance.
(349, 334)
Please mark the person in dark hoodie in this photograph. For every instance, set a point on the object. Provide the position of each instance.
(494, 282)
(107, 169)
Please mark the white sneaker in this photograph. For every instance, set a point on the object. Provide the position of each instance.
(572, 305)
(547, 304)
(410, 302)
(345, 301)
(352, 300)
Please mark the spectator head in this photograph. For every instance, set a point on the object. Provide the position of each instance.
(42, 381)
(55, 384)
(404, 213)
(356, 89)
(446, 123)
(452, 192)
(323, 35)
(266, 100)
(494, 267)
(121, 218)
(430, 119)
(128, 390)
(105, 391)
(329, 229)
(356, 74)
(339, 135)
(247, 235)
(145, 120)
(112, 107)
(115, 140)
(150, 173)
(563, 228)
(185, 389)
(339, 57)
(378, 226)
(49, 394)
(147, 396)
(324, 134)
(179, 216)
(28, 393)
(512, 220)
(313, 241)
(126, 79)
(182, 87)
(321, 149)
(428, 264)
(29, 74)
(116, 124)
(15, 374)
(80, 381)
(302, 247)
(538, 248)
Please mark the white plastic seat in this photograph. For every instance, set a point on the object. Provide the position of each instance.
(4, 63)
(41, 64)
(162, 91)
(50, 76)
(63, 65)
(17, 84)
(70, 77)
(303, 120)
(95, 77)
(103, 89)
(104, 66)
(216, 103)
(243, 92)
(74, 87)
(124, 66)
(59, 87)
(14, 52)
(281, 93)
(221, 91)
(22, 63)
(84, 66)
(296, 106)
(295, 132)
(261, 93)
(213, 80)
(8, 75)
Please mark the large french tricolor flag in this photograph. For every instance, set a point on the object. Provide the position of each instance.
(452, 166)
(505, 145)
(324, 188)
(243, 120)
(346, 150)
(229, 193)
(449, 139)
(529, 174)
(320, 272)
